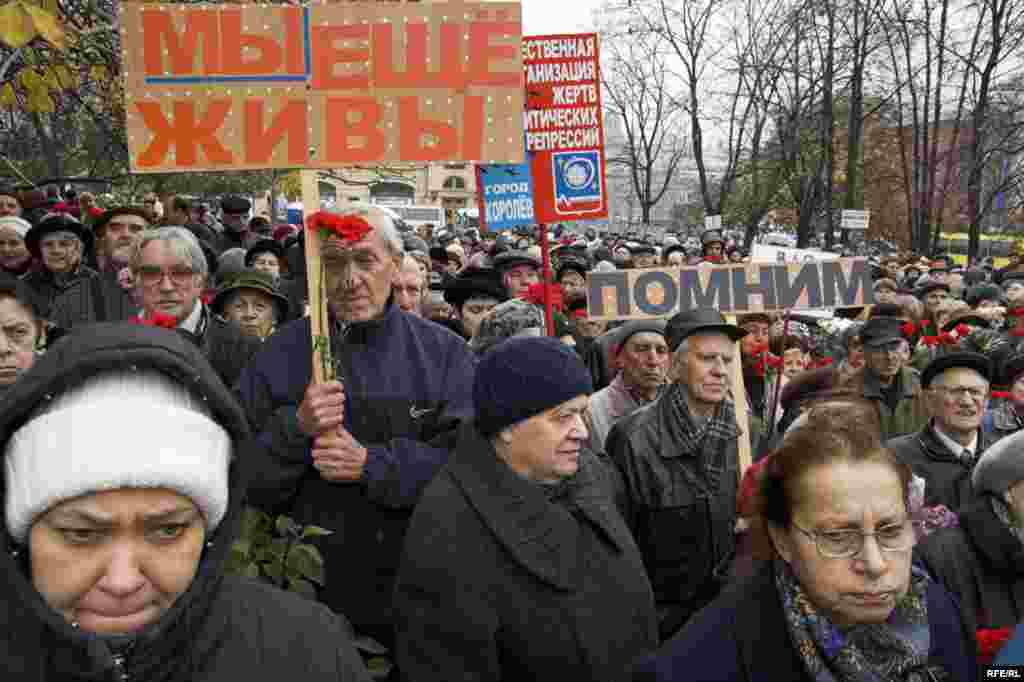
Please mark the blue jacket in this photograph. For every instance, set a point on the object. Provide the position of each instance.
(407, 384)
(742, 637)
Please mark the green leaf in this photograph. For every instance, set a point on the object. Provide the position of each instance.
(315, 532)
(241, 546)
(307, 562)
(379, 667)
(273, 571)
(303, 587)
(252, 571)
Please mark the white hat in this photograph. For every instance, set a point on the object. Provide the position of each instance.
(125, 429)
(19, 225)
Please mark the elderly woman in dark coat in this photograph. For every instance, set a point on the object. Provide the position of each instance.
(982, 560)
(121, 496)
(517, 565)
(840, 601)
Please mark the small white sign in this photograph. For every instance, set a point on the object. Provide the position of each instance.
(713, 222)
(855, 220)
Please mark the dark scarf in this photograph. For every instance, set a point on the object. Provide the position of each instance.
(894, 651)
(709, 439)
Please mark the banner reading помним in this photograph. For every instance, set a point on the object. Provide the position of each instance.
(731, 289)
(235, 87)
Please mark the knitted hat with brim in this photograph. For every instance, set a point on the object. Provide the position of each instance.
(118, 406)
(524, 377)
(251, 280)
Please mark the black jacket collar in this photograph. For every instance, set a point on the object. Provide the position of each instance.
(543, 536)
(1000, 548)
(936, 449)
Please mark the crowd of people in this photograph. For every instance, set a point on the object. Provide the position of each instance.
(491, 501)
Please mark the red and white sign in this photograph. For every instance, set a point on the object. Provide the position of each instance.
(564, 128)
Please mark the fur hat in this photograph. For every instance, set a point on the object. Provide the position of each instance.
(511, 318)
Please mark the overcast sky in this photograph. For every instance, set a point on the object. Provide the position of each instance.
(542, 17)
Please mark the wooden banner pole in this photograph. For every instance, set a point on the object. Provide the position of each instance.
(548, 314)
(323, 369)
(739, 396)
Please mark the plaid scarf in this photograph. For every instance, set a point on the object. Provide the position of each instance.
(708, 440)
(896, 650)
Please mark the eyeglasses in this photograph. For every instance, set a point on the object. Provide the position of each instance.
(843, 544)
(974, 393)
(152, 276)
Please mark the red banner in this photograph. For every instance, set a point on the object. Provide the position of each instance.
(564, 128)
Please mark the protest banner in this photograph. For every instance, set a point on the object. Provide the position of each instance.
(505, 195)
(783, 254)
(731, 289)
(564, 128)
(245, 86)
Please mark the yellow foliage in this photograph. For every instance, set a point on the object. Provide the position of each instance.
(61, 78)
(8, 99)
(98, 74)
(290, 184)
(40, 102)
(22, 22)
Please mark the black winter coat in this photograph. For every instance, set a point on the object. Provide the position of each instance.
(686, 535)
(947, 479)
(91, 300)
(221, 629)
(500, 582)
(982, 563)
(48, 287)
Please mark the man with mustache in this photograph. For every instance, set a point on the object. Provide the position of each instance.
(679, 463)
(354, 455)
(943, 453)
(641, 355)
(111, 296)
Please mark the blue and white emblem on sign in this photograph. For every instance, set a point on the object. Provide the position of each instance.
(577, 180)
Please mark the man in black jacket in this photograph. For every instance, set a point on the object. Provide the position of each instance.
(678, 458)
(944, 452)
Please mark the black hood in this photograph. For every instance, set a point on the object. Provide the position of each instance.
(34, 635)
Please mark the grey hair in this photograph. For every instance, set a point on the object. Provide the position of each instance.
(181, 242)
(382, 221)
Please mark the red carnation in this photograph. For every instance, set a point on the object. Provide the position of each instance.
(962, 330)
(349, 228)
(157, 320)
(1017, 331)
(774, 361)
(908, 329)
(535, 294)
(930, 340)
(990, 641)
(1000, 394)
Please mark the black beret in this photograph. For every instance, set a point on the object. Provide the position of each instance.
(979, 363)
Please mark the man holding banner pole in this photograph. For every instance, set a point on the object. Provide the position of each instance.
(353, 455)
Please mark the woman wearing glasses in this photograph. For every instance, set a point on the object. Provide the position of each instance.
(840, 600)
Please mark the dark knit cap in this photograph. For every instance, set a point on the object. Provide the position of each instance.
(522, 377)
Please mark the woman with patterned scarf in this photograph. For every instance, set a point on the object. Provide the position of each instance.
(840, 600)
